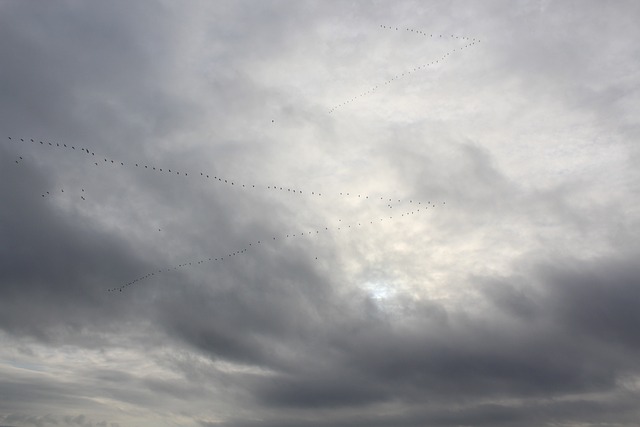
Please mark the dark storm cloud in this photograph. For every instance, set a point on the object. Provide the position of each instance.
(539, 363)
(54, 273)
(320, 390)
(555, 343)
(586, 411)
(237, 318)
(598, 301)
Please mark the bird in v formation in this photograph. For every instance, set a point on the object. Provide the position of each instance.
(226, 181)
(418, 205)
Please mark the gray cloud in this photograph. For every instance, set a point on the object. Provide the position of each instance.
(471, 260)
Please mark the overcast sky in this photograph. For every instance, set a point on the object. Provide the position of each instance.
(319, 213)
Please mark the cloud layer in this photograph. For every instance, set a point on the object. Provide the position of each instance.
(291, 214)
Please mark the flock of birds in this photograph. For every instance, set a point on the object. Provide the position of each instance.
(201, 175)
(417, 206)
(257, 243)
(470, 41)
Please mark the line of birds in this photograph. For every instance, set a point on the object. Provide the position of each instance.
(257, 243)
(388, 27)
(417, 206)
(203, 175)
(471, 42)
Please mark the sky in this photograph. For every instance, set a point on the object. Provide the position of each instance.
(319, 213)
